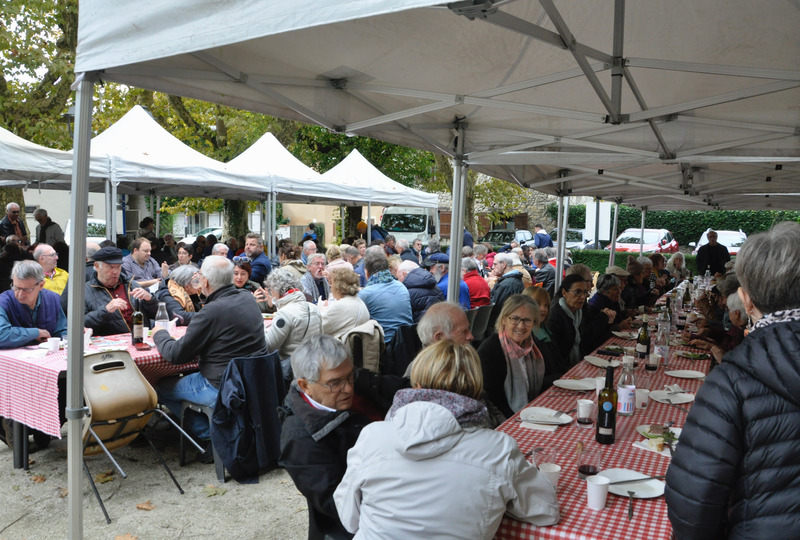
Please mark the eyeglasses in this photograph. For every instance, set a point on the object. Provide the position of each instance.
(26, 290)
(514, 320)
(13, 211)
(50, 255)
(242, 258)
(337, 385)
(579, 292)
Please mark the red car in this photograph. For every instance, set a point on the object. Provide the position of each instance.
(655, 241)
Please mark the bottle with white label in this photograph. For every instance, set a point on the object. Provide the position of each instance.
(643, 341)
(661, 347)
(162, 318)
(626, 389)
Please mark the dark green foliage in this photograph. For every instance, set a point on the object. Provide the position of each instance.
(597, 260)
(687, 226)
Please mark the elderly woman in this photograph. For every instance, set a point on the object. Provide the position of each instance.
(177, 292)
(348, 311)
(604, 307)
(660, 278)
(513, 368)
(429, 457)
(242, 270)
(636, 293)
(737, 475)
(184, 257)
(569, 321)
(676, 266)
(731, 338)
(295, 320)
(555, 365)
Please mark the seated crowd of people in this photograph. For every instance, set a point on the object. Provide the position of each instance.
(348, 468)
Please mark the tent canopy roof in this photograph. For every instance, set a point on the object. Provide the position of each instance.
(692, 96)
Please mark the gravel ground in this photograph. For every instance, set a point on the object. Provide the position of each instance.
(35, 504)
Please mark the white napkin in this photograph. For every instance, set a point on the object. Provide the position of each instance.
(674, 388)
(644, 445)
(540, 427)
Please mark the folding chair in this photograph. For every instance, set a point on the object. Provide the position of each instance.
(120, 403)
(481, 322)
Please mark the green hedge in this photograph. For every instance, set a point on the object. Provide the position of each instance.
(687, 226)
(597, 260)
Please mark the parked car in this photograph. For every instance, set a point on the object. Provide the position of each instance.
(655, 241)
(576, 239)
(500, 237)
(732, 240)
(95, 230)
(216, 231)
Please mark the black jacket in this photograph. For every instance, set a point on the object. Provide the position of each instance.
(493, 365)
(245, 427)
(712, 258)
(229, 326)
(563, 330)
(314, 447)
(423, 291)
(97, 316)
(736, 471)
(408, 255)
(504, 287)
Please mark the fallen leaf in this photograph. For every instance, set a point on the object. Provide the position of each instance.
(38, 478)
(126, 536)
(212, 490)
(15, 488)
(104, 477)
(63, 492)
(31, 461)
(146, 506)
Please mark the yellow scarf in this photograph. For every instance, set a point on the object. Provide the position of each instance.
(180, 294)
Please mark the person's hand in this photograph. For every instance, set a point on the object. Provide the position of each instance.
(116, 304)
(610, 313)
(626, 324)
(700, 344)
(260, 294)
(156, 330)
(717, 352)
(44, 335)
(141, 294)
(164, 269)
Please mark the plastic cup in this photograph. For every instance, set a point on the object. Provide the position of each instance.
(53, 344)
(642, 395)
(589, 462)
(597, 492)
(552, 472)
(87, 338)
(544, 454)
(652, 362)
(585, 416)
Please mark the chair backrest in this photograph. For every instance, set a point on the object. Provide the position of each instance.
(366, 344)
(401, 351)
(481, 322)
(115, 389)
(471, 314)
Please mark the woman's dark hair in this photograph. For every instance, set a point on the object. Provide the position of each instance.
(569, 281)
(145, 222)
(244, 265)
(290, 251)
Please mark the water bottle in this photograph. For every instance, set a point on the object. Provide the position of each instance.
(707, 276)
(626, 389)
(162, 318)
(662, 341)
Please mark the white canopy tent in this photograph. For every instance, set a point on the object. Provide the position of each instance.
(546, 94)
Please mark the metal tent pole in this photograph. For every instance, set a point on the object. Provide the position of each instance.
(341, 212)
(457, 220)
(109, 210)
(369, 223)
(274, 220)
(641, 234)
(79, 202)
(562, 242)
(596, 224)
(157, 217)
(613, 253)
(113, 221)
(559, 219)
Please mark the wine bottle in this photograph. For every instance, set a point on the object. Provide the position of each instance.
(626, 389)
(137, 328)
(643, 341)
(607, 410)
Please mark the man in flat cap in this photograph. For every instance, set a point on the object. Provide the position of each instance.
(110, 296)
(439, 265)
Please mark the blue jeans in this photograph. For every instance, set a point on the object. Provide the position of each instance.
(193, 388)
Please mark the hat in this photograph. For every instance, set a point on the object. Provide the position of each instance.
(617, 271)
(439, 257)
(110, 255)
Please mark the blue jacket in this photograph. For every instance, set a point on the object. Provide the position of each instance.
(389, 303)
(261, 268)
(245, 427)
(423, 291)
(463, 291)
(542, 240)
(19, 325)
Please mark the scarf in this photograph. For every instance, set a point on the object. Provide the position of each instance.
(180, 294)
(787, 315)
(468, 412)
(577, 318)
(384, 276)
(524, 371)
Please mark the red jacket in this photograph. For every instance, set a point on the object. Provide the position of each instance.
(479, 293)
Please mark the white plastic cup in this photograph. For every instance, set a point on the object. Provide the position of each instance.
(87, 338)
(585, 413)
(642, 395)
(597, 492)
(53, 344)
(552, 472)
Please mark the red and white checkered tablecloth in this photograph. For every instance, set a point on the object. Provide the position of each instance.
(29, 385)
(577, 520)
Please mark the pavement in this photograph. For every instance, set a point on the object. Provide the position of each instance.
(146, 504)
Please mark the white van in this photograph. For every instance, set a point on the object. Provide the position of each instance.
(411, 222)
(95, 230)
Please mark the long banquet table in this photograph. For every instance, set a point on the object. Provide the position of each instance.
(29, 384)
(577, 520)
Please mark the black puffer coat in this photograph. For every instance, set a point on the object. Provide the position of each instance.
(736, 471)
(423, 291)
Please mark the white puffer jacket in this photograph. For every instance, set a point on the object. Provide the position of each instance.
(295, 321)
(422, 475)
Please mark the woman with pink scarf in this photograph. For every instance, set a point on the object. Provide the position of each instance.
(513, 368)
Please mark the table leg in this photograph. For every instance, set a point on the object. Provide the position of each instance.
(20, 445)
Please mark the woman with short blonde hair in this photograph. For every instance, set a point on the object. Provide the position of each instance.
(345, 310)
(446, 366)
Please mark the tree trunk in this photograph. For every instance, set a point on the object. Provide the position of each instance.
(234, 221)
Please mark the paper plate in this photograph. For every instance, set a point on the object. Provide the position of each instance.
(543, 415)
(646, 489)
(578, 385)
(624, 335)
(601, 362)
(662, 396)
(686, 374)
